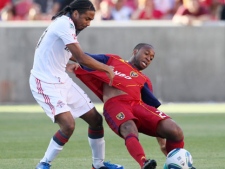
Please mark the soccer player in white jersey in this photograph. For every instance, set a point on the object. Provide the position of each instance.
(54, 90)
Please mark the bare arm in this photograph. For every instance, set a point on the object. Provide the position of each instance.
(86, 60)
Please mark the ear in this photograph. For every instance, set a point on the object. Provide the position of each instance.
(135, 51)
(75, 14)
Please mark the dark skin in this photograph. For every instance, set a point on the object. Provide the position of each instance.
(168, 129)
(93, 118)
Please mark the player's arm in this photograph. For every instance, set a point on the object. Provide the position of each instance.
(99, 57)
(73, 59)
(88, 61)
(148, 97)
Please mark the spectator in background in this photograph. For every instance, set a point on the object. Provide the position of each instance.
(58, 5)
(147, 12)
(191, 13)
(222, 13)
(42, 9)
(213, 6)
(166, 7)
(96, 4)
(4, 5)
(106, 9)
(121, 12)
(133, 4)
(17, 10)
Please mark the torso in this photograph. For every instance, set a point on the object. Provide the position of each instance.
(110, 92)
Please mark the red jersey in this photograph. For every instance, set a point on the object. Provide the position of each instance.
(127, 79)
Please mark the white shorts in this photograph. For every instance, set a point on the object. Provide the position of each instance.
(59, 98)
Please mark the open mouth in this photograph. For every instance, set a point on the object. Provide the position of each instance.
(144, 64)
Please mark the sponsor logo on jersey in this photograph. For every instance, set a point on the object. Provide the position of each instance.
(133, 74)
(117, 73)
(120, 116)
(60, 104)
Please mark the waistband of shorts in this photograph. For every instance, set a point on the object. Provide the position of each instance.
(123, 97)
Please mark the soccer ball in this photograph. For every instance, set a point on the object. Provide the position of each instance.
(178, 158)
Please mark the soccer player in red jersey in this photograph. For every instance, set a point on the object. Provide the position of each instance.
(129, 104)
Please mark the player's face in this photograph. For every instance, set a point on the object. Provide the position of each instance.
(82, 21)
(143, 57)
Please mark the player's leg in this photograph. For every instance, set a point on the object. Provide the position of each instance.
(157, 124)
(60, 138)
(129, 132)
(88, 113)
(121, 120)
(52, 101)
(96, 140)
(95, 136)
(172, 132)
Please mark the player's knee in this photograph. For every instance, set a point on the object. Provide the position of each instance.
(170, 130)
(96, 120)
(177, 133)
(68, 129)
(127, 128)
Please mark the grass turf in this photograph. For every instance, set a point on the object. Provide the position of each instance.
(25, 136)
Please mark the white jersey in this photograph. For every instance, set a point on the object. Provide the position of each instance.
(51, 54)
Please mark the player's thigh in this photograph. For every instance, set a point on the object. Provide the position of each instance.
(49, 97)
(149, 118)
(117, 113)
(78, 101)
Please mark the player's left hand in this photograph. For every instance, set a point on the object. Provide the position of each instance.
(71, 67)
(111, 76)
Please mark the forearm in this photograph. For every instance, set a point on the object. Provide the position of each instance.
(85, 60)
(91, 63)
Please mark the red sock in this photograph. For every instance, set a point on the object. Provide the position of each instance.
(60, 138)
(170, 145)
(135, 149)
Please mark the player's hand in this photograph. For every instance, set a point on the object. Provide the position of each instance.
(110, 73)
(71, 67)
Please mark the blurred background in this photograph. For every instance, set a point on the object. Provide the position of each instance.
(188, 37)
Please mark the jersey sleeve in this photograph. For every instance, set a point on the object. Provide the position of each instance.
(99, 57)
(65, 29)
(148, 97)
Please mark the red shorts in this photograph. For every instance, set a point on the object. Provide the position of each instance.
(120, 109)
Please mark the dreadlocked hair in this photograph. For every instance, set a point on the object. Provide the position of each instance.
(140, 45)
(81, 6)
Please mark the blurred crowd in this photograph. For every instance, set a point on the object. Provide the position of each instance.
(184, 12)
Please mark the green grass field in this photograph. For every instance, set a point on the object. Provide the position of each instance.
(25, 132)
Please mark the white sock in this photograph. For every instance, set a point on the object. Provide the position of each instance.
(51, 152)
(98, 151)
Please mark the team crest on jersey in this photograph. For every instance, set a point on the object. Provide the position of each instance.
(120, 116)
(133, 74)
(60, 104)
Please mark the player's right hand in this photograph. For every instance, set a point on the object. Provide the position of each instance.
(110, 73)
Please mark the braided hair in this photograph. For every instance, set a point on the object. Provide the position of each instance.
(81, 6)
